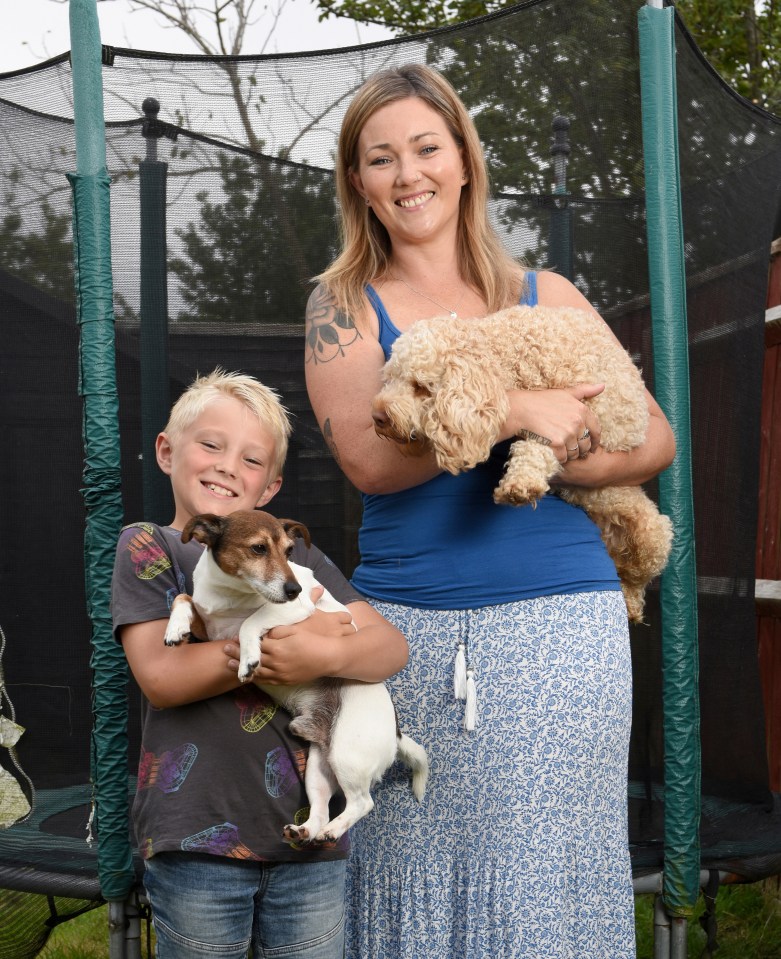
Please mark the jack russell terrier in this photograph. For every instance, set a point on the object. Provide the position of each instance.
(244, 584)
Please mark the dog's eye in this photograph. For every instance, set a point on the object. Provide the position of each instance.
(419, 390)
(289, 552)
(259, 549)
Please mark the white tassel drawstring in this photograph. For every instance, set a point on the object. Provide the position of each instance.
(459, 676)
(470, 710)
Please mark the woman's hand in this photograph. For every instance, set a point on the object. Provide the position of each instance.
(632, 468)
(559, 416)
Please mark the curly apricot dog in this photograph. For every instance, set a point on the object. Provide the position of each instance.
(444, 390)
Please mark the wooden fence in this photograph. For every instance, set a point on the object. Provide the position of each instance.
(768, 587)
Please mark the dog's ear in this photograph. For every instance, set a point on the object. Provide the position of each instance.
(468, 412)
(294, 528)
(205, 527)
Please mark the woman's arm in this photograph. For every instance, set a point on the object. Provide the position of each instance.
(570, 417)
(343, 364)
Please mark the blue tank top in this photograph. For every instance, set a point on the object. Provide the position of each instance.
(445, 544)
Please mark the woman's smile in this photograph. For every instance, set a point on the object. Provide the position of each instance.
(409, 162)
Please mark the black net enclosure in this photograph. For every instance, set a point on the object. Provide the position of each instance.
(222, 211)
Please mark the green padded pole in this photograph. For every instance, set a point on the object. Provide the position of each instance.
(101, 492)
(671, 382)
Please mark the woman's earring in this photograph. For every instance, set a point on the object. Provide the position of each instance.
(366, 201)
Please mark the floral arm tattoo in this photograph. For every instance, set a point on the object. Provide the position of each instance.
(328, 328)
(330, 442)
(328, 331)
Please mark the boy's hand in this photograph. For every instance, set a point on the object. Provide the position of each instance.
(302, 652)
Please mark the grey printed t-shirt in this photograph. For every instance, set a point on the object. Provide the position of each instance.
(223, 775)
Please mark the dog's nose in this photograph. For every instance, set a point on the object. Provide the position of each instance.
(380, 419)
(292, 589)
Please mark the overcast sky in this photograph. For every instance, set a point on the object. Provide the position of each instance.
(35, 30)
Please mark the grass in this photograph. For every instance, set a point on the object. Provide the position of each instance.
(748, 923)
(749, 927)
(86, 937)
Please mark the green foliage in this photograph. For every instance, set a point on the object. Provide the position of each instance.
(412, 16)
(742, 40)
(257, 244)
(748, 924)
(36, 246)
(28, 920)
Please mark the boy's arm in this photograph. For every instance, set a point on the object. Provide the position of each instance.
(175, 675)
(326, 645)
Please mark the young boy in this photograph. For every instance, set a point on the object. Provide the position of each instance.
(219, 774)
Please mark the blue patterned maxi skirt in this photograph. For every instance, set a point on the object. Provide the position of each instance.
(519, 848)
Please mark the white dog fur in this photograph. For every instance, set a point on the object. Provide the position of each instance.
(244, 585)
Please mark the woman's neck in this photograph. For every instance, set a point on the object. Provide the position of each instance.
(425, 266)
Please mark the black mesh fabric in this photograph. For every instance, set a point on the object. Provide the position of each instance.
(249, 218)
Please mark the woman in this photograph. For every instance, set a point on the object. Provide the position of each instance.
(519, 848)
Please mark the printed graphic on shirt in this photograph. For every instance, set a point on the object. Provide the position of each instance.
(221, 840)
(168, 771)
(148, 557)
(256, 708)
(283, 771)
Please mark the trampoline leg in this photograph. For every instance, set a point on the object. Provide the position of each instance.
(679, 937)
(661, 930)
(124, 925)
(133, 929)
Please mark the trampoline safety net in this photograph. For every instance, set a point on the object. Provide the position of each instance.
(222, 207)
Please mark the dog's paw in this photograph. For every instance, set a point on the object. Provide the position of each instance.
(178, 628)
(325, 838)
(246, 668)
(174, 635)
(292, 833)
(515, 494)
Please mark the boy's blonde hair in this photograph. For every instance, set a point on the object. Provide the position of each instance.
(261, 400)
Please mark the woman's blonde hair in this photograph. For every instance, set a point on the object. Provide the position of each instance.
(259, 399)
(366, 248)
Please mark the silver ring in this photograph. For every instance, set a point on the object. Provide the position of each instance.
(586, 434)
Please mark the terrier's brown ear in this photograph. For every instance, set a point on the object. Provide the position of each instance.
(205, 527)
(293, 528)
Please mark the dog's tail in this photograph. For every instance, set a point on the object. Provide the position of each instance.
(415, 757)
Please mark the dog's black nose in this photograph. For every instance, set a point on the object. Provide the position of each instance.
(292, 589)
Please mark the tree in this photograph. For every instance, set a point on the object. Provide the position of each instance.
(413, 16)
(35, 245)
(740, 38)
(250, 256)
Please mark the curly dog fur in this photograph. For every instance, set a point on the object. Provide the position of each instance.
(445, 390)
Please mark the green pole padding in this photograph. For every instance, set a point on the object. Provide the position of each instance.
(101, 492)
(671, 381)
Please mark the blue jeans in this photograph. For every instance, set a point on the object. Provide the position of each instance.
(211, 906)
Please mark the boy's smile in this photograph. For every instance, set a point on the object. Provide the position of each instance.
(220, 462)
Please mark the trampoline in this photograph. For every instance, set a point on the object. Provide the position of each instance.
(222, 209)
